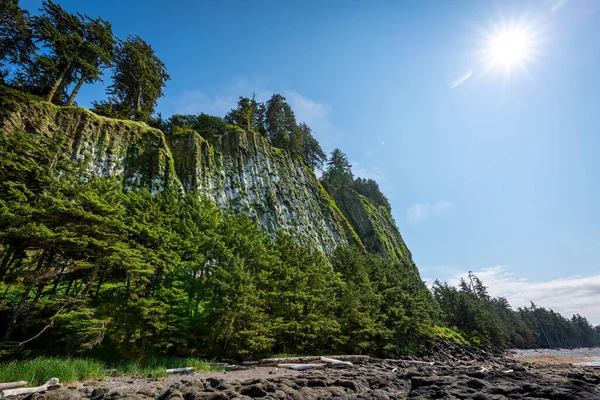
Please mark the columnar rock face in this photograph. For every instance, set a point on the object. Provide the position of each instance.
(239, 170)
(101, 146)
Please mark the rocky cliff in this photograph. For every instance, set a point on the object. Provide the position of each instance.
(239, 170)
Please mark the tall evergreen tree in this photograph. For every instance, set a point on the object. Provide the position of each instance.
(16, 43)
(139, 77)
(96, 53)
(63, 34)
(280, 121)
(339, 170)
(312, 153)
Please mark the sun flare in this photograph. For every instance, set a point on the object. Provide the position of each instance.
(509, 48)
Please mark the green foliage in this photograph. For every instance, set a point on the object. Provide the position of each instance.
(370, 189)
(138, 79)
(450, 335)
(483, 319)
(16, 44)
(338, 173)
(39, 370)
(83, 263)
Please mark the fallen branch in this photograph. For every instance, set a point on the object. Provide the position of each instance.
(176, 370)
(410, 362)
(300, 367)
(50, 385)
(332, 362)
(12, 385)
(309, 359)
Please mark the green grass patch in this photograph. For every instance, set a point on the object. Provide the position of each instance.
(38, 370)
(155, 367)
(284, 355)
(450, 335)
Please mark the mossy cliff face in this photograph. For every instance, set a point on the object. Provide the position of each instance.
(375, 226)
(98, 146)
(241, 172)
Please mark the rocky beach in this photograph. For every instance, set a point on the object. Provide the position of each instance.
(442, 373)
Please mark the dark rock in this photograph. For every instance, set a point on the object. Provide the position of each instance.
(213, 382)
(171, 394)
(419, 381)
(476, 383)
(346, 384)
(316, 383)
(250, 382)
(99, 393)
(146, 391)
(253, 391)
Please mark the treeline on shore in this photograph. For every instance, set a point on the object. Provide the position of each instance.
(88, 268)
(85, 265)
(485, 319)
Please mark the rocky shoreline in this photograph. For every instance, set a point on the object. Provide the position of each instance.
(456, 373)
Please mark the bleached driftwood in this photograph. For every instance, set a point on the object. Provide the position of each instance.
(300, 367)
(12, 385)
(288, 360)
(176, 370)
(410, 362)
(250, 362)
(265, 362)
(50, 385)
(332, 362)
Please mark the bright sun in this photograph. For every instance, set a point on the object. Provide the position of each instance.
(509, 48)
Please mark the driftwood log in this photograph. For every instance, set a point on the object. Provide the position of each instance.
(300, 367)
(335, 363)
(410, 362)
(12, 385)
(266, 362)
(176, 370)
(50, 385)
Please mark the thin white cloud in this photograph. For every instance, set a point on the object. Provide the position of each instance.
(217, 103)
(461, 79)
(418, 212)
(568, 296)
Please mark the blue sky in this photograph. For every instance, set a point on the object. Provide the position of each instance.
(497, 174)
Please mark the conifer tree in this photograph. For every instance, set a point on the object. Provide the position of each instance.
(16, 43)
(139, 77)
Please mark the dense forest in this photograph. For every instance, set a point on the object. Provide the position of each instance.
(87, 267)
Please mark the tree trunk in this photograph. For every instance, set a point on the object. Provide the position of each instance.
(58, 94)
(8, 257)
(17, 312)
(68, 287)
(100, 282)
(88, 286)
(54, 88)
(76, 90)
(14, 263)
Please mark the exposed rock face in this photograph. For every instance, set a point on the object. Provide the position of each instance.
(240, 171)
(100, 146)
(374, 225)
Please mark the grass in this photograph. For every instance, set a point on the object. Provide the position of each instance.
(38, 370)
(450, 335)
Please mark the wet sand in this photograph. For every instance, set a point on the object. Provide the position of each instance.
(558, 356)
